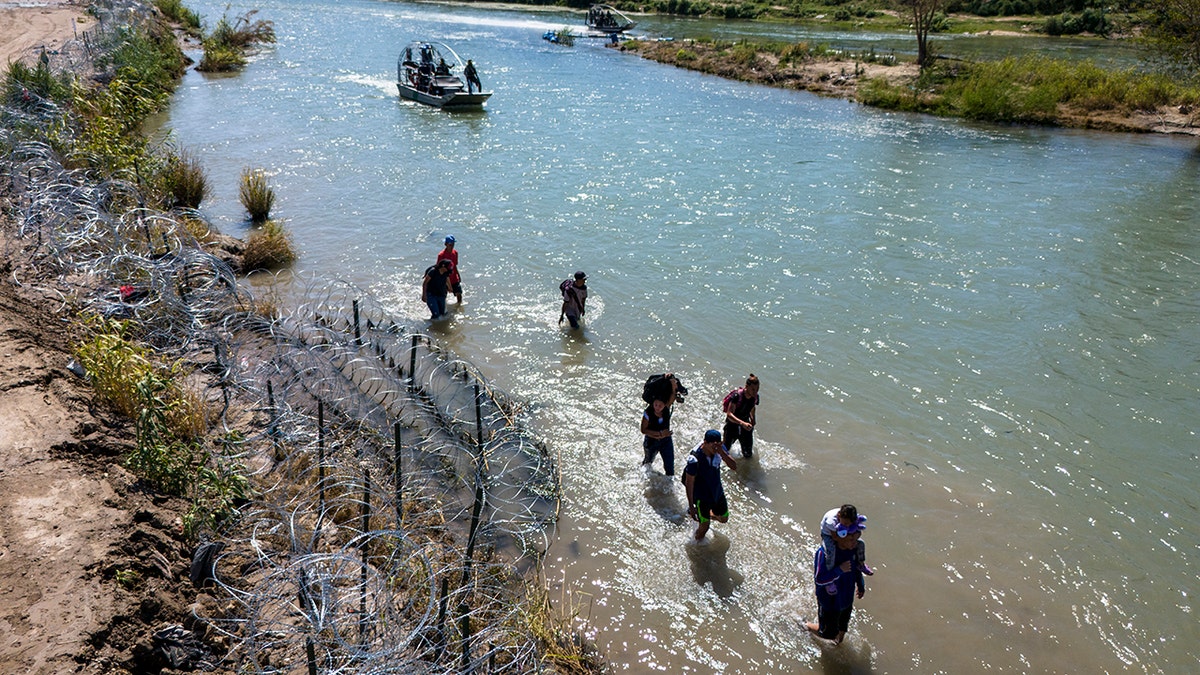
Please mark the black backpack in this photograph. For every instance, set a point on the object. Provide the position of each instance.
(659, 387)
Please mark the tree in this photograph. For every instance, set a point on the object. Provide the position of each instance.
(924, 13)
(1174, 31)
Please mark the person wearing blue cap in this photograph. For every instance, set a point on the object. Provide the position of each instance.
(702, 480)
(449, 253)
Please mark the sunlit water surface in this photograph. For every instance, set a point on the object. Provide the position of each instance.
(984, 337)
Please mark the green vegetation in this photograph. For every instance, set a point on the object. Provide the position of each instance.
(226, 46)
(1029, 89)
(1174, 32)
(26, 86)
(270, 247)
(183, 179)
(169, 423)
(256, 194)
(127, 579)
(564, 36)
(175, 11)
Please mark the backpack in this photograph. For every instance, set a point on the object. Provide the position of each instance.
(564, 287)
(657, 386)
(735, 395)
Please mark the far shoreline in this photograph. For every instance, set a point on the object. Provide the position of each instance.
(838, 77)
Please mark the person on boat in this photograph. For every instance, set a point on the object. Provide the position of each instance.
(449, 253)
(472, 77)
(739, 407)
(702, 481)
(443, 68)
(574, 292)
(434, 288)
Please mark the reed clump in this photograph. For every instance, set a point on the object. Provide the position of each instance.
(256, 194)
(225, 48)
(269, 247)
(183, 179)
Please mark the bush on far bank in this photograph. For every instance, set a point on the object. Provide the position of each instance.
(1029, 89)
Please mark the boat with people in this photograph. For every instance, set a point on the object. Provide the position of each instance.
(606, 19)
(426, 73)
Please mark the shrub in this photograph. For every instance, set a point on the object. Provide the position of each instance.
(25, 86)
(270, 247)
(745, 54)
(184, 180)
(685, 55)
(177, 12)
(225, 46)
(256, 195)
(126, 376)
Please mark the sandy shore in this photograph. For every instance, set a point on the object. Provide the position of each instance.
(29, 26)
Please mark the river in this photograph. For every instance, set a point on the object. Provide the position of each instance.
(985, 337)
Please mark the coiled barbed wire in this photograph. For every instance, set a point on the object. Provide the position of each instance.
(397, 486)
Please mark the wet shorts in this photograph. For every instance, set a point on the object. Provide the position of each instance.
(704, 509)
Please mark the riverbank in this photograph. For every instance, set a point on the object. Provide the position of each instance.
(96, 567)
(108, 581)
(849, 77)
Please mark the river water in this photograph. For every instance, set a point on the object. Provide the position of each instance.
(984, 337)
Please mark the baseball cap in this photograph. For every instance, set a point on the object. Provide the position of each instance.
(712, 435)
(580, 275)
(449, 239)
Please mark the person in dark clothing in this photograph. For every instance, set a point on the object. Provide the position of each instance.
(435, 286)
(656, 435)
(702, 480)
(575, 293)
(472, 77)
(836, 588)
(739, 408)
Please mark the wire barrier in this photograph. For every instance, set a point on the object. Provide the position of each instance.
(400, 502)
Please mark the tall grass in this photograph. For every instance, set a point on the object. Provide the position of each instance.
(256, 194)
(169, 421)
(225, 47)
(180, 14)
(1031, 89)
(270, 247)
(183, 179)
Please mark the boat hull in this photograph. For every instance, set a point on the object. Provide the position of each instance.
(452, 100)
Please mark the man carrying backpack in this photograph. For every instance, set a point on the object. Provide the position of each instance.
(702, 480)
(574, 297)
(739, 406)
(435, 286)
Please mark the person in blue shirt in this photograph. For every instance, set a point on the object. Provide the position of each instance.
(837, 586)
(702, 480)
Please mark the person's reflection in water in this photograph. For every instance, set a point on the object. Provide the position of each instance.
(709, 565)
(661, 496)
(848, 658)
(576, 348)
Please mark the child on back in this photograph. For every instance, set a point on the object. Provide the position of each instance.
(837, 524)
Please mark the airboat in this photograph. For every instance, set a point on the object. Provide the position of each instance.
(426, 73)
(606, 19)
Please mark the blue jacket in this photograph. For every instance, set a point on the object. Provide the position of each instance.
(835, 588)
